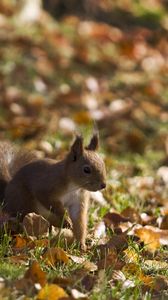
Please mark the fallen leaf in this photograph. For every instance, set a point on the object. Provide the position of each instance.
(114, 219)
(19, 259)
(51, 292)
(152, 237)
(111, 260)
(132, 214)
(131, 255)
(78, 295)
(25, 285)
(36, 274)
(77, 259)
(20, 242)
(64, 281)
(35, 225)
(89, 266)
(132, 269)
(156, 264)
(54, 255)
(164, 222)
(120, 242)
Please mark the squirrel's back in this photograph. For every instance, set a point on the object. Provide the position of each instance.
(11, 160)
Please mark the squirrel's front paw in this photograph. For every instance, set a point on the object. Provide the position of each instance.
(83, 247)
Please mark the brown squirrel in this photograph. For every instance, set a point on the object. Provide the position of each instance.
(48, 187)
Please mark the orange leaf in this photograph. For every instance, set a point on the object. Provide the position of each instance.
(20, 242)
(36, 274)
(54, 255)
(51, 292)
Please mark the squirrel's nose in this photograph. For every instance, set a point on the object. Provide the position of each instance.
(103, 185)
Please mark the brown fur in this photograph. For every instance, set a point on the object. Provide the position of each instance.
(48, 187)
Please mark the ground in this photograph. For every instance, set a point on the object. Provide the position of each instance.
(70, 75)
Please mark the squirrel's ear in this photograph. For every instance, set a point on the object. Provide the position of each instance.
(94, 142)
(77, 148)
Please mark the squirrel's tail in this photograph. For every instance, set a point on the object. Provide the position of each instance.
(11, 160)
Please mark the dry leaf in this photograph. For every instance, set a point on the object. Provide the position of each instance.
(78, 295)
(54, 255)
(51, 292)
(64, 281)
(89, 266)
(114, 219)
(19, 242)
(35, 225)
(164, 222)
(152, 237)
(132, 214)
(132, 269)
(111, 260)
(36, 274)
(120, 242)
(19, 259)
(131, 255)
(77, 259)
(156, 264)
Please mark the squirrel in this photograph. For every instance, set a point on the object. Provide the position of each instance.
(49, 187)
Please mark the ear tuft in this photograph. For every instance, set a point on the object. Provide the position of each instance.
(94, 142)
(77, 148)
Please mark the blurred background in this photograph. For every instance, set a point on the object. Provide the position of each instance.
(65, 63)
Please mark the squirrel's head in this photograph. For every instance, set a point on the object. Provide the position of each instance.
(85, 167)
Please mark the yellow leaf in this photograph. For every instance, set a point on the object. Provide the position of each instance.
(150, 238)
(132, 269)
(54, 255)
(51, 292)
(131, 255)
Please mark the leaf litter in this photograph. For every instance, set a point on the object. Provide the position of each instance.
(55, 78)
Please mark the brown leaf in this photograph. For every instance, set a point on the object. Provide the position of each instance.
(54, 255)
(25, 285)
(132, 214)
(120, 242)
(114, 219)
(111, 260)
(19, 259)
(164, 222)
(35, 225)
(64, 281)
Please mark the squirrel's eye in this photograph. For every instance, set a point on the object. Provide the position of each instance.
(87, 169)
